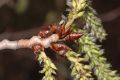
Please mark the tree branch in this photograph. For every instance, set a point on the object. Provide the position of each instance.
(111, 15)
(28, 43)
(19, 35)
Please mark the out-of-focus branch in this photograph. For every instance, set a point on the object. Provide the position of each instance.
(2, 2)
(19, 35)
(10, 3)
(111, 15)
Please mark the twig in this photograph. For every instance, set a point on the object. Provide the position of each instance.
(28, 43)
(111, 15)
(19, 35)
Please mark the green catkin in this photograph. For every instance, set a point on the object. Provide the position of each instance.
(88, 60)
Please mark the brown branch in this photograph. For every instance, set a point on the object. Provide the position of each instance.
(19, 35)
(112, 15)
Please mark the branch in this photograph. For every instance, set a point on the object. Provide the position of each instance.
(28, 43)
(111, 15)
(20, 35)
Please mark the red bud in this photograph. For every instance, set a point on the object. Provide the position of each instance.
(53, 28)
(44, 33)
(37, 48)
(72, 36)
(60, 48)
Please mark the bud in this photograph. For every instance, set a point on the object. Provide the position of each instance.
(61, 49)
(37, 48)
(62, 32)
(45, 32)
(53, 28)
(72, 37)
